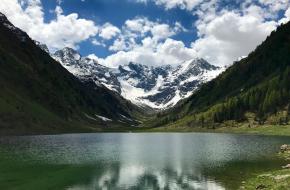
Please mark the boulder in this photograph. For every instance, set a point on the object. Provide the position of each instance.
(284, 148)
(286, 167)
(261, 186)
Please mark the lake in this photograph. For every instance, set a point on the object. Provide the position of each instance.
(135, 160)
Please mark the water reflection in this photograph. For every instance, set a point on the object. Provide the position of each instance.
(150, 161)
(137, 177)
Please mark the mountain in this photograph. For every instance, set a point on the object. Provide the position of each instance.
(38, 95)
(158, 87)
(87, 69)
(253, 90)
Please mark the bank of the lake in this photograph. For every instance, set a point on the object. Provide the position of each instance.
(276, 130)
(276, 179)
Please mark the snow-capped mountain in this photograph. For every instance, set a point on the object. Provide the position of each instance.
(87, 69)
(157, 87)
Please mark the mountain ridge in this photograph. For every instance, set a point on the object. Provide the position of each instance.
(38, 95)
(254, 90)
(158, 87)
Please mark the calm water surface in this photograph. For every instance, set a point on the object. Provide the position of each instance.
(135, 161)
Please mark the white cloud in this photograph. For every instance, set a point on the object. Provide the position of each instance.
(93, 56)
(148, 42)
(140, 28)
(138, 25)
(151, 52)
(226, 33)
(58, 11)
(65, 30)
(123, 43)
(169, 4)
(229, 36)
(176, 50)
(98, 43)
(162, 31)
(223, 37)
(108, 31)
(275, 5)
(286, 17)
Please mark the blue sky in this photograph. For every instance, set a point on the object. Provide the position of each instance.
(151, 32)
(117, 12)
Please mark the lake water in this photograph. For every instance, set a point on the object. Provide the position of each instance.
(135, 161)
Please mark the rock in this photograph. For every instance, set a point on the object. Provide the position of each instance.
(284, 148)
(281, 177)
(286, 167)
(265, 175)
(261, 186)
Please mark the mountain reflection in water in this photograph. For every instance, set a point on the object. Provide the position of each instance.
(140, 161)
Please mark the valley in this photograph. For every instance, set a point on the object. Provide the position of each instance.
(192, 96)
(143, 94)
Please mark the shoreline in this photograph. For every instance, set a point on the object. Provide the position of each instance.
(271, 130)
(276, 179)
(267, 130)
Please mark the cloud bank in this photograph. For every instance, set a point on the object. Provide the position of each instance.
(225, 33)
(64, 30)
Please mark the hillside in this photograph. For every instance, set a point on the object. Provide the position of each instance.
(156, 87)
(255, 88)
(38, 95)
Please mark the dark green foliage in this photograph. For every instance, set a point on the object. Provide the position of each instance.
(259, 83)
(38, 95)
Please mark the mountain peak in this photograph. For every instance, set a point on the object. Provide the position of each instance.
(67, 56)
(203, 64)
(71, 52)
(257, 84)
(154, 86)
(46, 95)
(194, 67)
(3, 17)
(22, 36)
(42, 46)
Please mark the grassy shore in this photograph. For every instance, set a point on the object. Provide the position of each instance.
(276, 180)
(279, 130)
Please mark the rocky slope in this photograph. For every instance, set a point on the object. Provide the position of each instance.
(157, 87)
(39, 96)
(254, 90)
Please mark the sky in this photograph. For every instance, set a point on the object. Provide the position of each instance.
(150, 32)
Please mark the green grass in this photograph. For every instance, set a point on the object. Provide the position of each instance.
(276, 180)
(250, 126)
(18, 175)
(279, 130)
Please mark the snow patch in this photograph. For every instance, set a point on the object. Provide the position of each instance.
(103, 118)
(156, 87)
(126, 117)
(90, 117)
